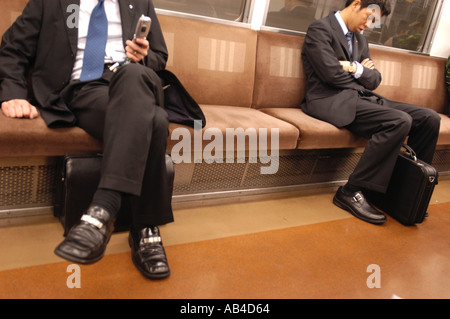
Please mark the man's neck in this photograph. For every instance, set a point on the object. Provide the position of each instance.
(341, 22)
(345, 13)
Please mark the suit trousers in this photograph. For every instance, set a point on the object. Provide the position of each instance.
(125, 111)
(387, 124)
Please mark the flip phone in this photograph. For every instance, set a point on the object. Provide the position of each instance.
(142, 27)
(142, 30)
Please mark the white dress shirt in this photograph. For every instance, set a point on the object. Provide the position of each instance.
(115, 52)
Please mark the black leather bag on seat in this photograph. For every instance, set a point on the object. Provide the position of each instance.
(178, 103)
(76, 184)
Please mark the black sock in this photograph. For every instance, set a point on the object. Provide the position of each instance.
(108, 199)
(349, 188)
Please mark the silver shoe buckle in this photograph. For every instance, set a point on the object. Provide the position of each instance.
(151, 240)
(357, 197)
(91, 220)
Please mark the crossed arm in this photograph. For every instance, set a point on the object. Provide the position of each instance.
(366, 62)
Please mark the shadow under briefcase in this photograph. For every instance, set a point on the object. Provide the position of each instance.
(76, 184)
(410, 189)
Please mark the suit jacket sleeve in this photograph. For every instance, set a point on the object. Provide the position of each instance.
(157, 55)
(370, 79)
(17, 52)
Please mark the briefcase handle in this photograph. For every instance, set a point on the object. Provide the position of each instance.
(410, 152)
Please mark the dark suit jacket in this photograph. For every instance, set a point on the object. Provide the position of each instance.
(331, 93)
(42, 40)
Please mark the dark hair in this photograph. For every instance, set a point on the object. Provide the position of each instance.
(385, 5)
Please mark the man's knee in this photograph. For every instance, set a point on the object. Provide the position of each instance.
(432, 120)
(137, 71)
(137, 81)
(404, 122)
(161, 121)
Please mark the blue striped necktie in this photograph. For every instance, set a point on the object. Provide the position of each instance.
(94, 53)
(350, 43)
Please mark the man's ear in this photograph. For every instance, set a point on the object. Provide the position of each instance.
(356, 5)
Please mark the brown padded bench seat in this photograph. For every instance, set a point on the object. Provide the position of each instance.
(220, 117)
(444, 133)
(279, 88)
(314, 133)
(216, 64)
(24, 137)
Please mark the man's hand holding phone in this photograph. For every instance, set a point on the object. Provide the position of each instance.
(137, 50)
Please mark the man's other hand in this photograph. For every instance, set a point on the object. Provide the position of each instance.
(368, 63)
(345, 65)
(19, 109)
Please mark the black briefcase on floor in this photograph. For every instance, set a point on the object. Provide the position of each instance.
(76, 184)
(409, 191)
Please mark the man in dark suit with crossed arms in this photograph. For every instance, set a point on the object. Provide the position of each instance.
(340, 78)
(76, 81)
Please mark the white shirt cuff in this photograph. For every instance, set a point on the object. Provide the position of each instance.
(359, 70)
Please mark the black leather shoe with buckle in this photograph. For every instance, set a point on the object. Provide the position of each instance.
(358, 206)
(147, 253)
(86, 242)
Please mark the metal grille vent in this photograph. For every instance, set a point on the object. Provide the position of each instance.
(334, 167)
(45, 184)
(292, 170)
(26, 186)
(304, 167)
(16, 185)
(212, 177)
(441, 160)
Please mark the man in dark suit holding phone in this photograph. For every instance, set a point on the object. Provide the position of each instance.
(86, 71)
(340, 77)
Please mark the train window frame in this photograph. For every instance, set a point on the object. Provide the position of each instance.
(179, 7)
(434, 8)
